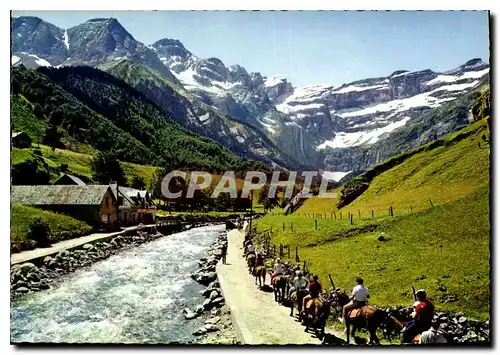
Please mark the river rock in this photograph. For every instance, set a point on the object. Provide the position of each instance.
(213, 295)
(200, 331)
(207, 304)
(215, 312)
(32, 276)
(26, 267)
(88, 246)
(210, 328)
(218, 300)
(214, 284)
(199, 309)
(213, 320)
(206, 278)
(188, 314)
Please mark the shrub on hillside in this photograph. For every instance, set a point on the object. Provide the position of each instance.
(39, 231)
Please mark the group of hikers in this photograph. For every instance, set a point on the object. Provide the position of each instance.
(423, 328)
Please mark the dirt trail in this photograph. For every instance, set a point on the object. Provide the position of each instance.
(256, 316)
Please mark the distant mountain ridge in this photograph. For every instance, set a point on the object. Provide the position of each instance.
(322, 126)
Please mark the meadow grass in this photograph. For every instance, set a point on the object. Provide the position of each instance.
(62, 226)
(443, 248)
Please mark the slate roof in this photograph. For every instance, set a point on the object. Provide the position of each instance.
(58, 194)
(76, 179)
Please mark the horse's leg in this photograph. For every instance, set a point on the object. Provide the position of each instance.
(347, 333)
(291, 308)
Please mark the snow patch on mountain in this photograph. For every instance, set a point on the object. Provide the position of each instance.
(351, 88)
(66, 39)
(334, 175)
(40, 61)
(15, 59)
(273, 81)
(453, 78)
(425, 99)
(352, 139)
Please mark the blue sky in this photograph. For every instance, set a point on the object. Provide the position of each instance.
(310, 47)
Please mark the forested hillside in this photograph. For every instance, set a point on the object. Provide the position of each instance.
(71, 106)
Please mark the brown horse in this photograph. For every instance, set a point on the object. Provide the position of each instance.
(260, 274)
(366, 317)
(279, 284)
(251, 261)
(316, 312)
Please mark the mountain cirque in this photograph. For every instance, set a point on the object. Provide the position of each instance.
(336, 128)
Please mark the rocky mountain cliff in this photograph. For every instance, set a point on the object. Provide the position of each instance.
(336, 128)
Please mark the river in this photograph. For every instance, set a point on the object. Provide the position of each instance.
(134, 296)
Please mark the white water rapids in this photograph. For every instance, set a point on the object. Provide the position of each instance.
(134, 296)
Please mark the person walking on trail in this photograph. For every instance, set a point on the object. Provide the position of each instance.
(358, 299)
(223, 250)
(299, 283)
(423, 316)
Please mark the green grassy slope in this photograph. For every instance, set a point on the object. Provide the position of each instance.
(62, 227)
(79, 164)
(442, 247)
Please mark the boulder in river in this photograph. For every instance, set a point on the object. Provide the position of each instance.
(188, 314)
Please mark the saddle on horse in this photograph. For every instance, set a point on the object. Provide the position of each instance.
(354, 312)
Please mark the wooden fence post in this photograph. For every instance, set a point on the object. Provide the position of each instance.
(291, 226)
(316, 224)
(432, 205)
(372, 213)
(351, 219)
(340, 215)
(391, 211)
(297, 259)
(281, 251)
(359, 213)
(288, 251)
(283, 225)
(411, 209)
(335, 215)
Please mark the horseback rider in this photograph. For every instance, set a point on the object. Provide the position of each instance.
(299, 283)
(315, 290)
(423, 316)
(250, 248)
(258, 261)
(433, 336)
(358, 298)
(279, 269)
(315, 287)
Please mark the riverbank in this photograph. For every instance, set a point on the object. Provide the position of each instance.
(218, 327)
(135, 296)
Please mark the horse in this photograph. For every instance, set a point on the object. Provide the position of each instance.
(280, 284)
(251, 261)
(316, 312)
(260, 274)
(366, 317)
(296, 298)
